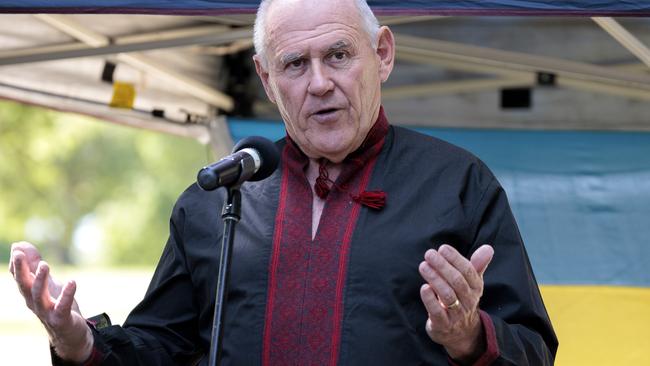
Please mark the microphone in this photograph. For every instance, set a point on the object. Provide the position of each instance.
(254, 158)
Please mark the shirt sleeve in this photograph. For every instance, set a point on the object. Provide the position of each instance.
(94, 359)
(491, 352)
(94, 323)
(511, 297)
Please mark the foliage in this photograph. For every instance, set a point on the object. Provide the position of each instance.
(59, 172)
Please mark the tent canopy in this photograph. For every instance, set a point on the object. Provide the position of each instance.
(187, 72)
(385, 7)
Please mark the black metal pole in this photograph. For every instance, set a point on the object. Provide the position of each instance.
(230, 214)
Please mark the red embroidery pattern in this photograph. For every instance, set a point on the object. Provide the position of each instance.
(277, 236)
(307, 277)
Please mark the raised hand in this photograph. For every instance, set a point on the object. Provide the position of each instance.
(453, 288)
(52, 303)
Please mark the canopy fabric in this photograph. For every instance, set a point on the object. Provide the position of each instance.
(384, 7)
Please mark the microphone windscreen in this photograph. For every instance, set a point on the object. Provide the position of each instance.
(269, 155)
(207, 179)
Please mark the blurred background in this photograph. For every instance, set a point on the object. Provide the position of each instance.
(106, 118)
(88, 192)
(95, 198)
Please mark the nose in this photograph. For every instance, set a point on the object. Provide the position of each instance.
(320, 82)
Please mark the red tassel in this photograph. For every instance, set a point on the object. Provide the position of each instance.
(321, 187)
(373, 199)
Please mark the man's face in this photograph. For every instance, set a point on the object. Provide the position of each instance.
(323, 74)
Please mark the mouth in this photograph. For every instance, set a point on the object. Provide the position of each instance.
(325, 111)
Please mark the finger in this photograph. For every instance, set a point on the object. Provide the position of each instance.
(436, 312)
(63, 305)
(429, 327)
(482, 258)
(16, 248)
(456, 287)
(40, 295)
(33, 257)
(24, 278)
(462, 265)
(438, 284)
(12, 261)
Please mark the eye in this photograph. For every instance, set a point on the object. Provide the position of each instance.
(296, 64)
(338, 56)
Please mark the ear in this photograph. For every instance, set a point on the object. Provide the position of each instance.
(264, 76)
(386, 52)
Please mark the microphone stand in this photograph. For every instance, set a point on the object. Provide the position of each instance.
(230, 214)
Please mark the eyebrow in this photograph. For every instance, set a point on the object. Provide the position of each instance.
(337, 46)
(290, 57)
(293, 56)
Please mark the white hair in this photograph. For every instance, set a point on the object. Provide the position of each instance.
(368, 20)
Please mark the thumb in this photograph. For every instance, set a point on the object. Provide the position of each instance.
(481, 258)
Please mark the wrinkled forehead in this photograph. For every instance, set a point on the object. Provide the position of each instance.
(297, 11)
(289, 21)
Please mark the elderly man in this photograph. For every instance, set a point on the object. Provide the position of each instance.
(353, 253)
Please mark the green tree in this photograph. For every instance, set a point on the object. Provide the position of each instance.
(60, 171)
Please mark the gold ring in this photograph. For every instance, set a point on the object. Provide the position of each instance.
(453, 306)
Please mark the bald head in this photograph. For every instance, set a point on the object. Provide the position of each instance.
(366, 19)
